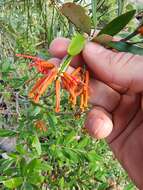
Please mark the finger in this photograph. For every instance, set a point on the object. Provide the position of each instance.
(58, 48)
(98, 123)
(102, 95)
(123, 69)
(55, 61)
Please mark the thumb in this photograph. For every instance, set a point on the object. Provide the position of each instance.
(119, 68)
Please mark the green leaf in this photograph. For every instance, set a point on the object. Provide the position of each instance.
(30, 187)
(70, 137)
(126, 47)
(76, 45)
(23, 165)
(7, 133)
(33, 165)
(84, 142)
(36, 178)
(52, 119)
(37, 145)
(6, 164)
(77, 15)
(46, 167)
(103, 186)
(61, 183)
(129, 187)
(2, 178)
(13, 182)
(71, 155)
(93, 156)
(116, 25)
(94, 9)
(21, 149)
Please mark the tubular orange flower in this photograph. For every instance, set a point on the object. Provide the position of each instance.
(85, 90)
(57, 109)
(75, 83)
(41, 65)
(42, 84)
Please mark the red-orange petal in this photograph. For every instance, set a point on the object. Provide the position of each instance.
(76, 71)
(86, 89)
(57, 109)
(68, 77)
(41, 85)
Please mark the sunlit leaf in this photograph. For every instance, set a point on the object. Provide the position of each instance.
(36, 144)
(126, 47)
(93, 156)
(76, 45)
(61, 183)
(84, 142)
(23, 166)
(7, 133)
(33, 165)
(77, 15)
(71, 155)
(52, 119)
(70, 137)
(13, 182)
(116, 25)
(36, 178)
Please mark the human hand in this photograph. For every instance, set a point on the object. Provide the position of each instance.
(116, 87)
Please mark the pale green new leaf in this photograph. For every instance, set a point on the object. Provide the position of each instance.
(36, 144)
(76, 45)
(13, 182)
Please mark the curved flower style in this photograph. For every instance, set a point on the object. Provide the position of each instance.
(75, 83)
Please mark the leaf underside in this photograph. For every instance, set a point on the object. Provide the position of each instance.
(77, 15)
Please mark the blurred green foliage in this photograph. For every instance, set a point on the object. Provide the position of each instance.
(63, 157)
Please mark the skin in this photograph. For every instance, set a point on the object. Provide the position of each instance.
(116, 86)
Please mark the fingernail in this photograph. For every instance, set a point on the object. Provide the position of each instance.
(94, 125)
(99, 128)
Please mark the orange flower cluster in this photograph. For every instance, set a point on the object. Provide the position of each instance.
(75, 83)
(140, 30)
(40, 124)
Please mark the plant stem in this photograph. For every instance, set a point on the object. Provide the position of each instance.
(65, 63)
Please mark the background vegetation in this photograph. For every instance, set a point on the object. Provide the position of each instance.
(63, 157)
